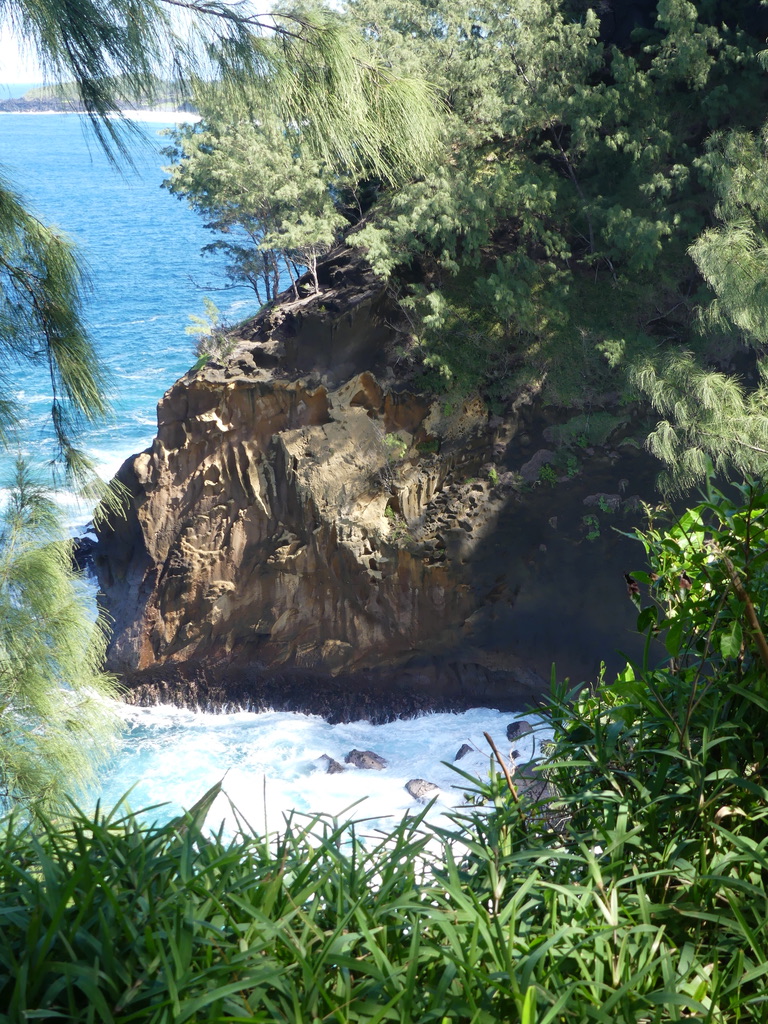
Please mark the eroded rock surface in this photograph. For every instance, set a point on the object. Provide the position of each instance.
(366, 759)
(307, 522)
(275, 514)
(421, 790)
(331, 765)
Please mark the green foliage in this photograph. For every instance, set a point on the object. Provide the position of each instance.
(552, 235)
(56, 707)
(710, 420)
(633, 890)
(708, 582)
(733, 258)
(204, 326)
(395, 447)
(592, 526)
(662, 772)
(302, 926)
(269, 201)
(571, 465)
(41, 322)
(214, 338)
(262, 189)
(548, 474)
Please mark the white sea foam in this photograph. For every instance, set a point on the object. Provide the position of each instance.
(108, 462)
(269, 762)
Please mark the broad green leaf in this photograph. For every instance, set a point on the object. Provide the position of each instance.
(731, 641)
(647, 618)
(674, 636)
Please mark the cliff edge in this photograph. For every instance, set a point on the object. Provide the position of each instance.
(309, 529)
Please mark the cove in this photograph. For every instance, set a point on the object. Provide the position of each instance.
(271, 764)
(142, 249)
(458, 593)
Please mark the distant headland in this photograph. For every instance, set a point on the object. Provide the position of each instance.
(160, 102)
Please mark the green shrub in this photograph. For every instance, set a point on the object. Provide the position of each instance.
(395, 447)
(548, 474)
(591, 524)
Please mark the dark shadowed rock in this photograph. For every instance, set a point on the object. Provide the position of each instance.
(531, 469)
(517, 729)
(332, 766)
(83, 550)
(421, 790)
(366, 759)
(531, 783)
(462, 751)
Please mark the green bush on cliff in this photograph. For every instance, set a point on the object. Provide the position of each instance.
(593, 192)
(634, 891)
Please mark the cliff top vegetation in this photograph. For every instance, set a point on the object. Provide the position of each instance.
(589, 231)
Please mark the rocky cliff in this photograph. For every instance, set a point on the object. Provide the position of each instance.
(309, 529)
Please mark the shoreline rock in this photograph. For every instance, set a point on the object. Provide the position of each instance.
(421, 790)
(332, 766)
(377, 697)
(367, 760)
(310, 530)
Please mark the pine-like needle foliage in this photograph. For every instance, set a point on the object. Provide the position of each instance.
(305, 60)
(733, 257)
(41, 322)
(710, 420)
(56, 716)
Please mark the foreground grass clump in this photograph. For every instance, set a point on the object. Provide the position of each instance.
(633, 891)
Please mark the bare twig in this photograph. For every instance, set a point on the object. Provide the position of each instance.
(504, 768)
(238, 17)
(754, 625)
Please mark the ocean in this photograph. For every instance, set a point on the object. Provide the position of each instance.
(142, 248)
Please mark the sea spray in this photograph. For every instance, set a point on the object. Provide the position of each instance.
(270, 762)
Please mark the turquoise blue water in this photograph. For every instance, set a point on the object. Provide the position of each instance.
(142, 248)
